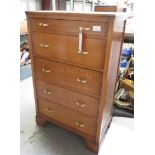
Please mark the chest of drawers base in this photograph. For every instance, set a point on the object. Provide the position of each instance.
(90, 143)
(75, 59)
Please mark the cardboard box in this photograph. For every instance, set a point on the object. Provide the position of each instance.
(127, 84)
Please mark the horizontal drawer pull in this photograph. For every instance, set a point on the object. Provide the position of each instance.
(43, 24)
(82, 81)
(79, 124)
(87, 28)
(47, 92)
(84, 28)
(44, 45)
(82, 52)
(49, 110)
(46, 71)
(81, 104)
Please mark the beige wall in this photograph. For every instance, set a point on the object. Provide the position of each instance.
(23, 27)
(27, 5)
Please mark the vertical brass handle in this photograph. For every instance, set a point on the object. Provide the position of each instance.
(47, 92)
(79, 124)
(49, 110)
(44, 45)
(80, 51)
(80, 38)
(80, 104)
(81, 81)
(46, 71)
(42, 24)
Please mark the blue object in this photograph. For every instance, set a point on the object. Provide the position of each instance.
(126, 51)
(123, 63)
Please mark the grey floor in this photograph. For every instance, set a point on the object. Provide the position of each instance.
(53, 140)
(25, 71)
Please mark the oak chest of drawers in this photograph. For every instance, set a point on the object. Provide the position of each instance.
(75, 59)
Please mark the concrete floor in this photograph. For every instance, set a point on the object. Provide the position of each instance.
(53, 140)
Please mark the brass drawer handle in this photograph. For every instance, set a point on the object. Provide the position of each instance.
(43, 24)
(49, 110)
(81, 29)
(82, 81)
(83, 52)
(80, 38)
(80, 104)
(47, 92)
(81, 125)
(46, 71)
(86, 28)
(44, 45)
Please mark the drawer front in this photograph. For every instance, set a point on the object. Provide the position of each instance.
(69, 117)
(90, 28)
(77, 101)
(71, 77)
(65, 48)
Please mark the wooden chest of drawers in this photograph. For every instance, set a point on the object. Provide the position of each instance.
(75, 59)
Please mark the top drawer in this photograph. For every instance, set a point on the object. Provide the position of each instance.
(48, 25)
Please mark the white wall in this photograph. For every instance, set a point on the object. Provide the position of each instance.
(78, 6)
(28, 5)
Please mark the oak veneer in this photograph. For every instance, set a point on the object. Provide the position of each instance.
(65, 47)
(79, 102)
(75, 59)
(65, 26)
(67, 116)
(68, 76)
